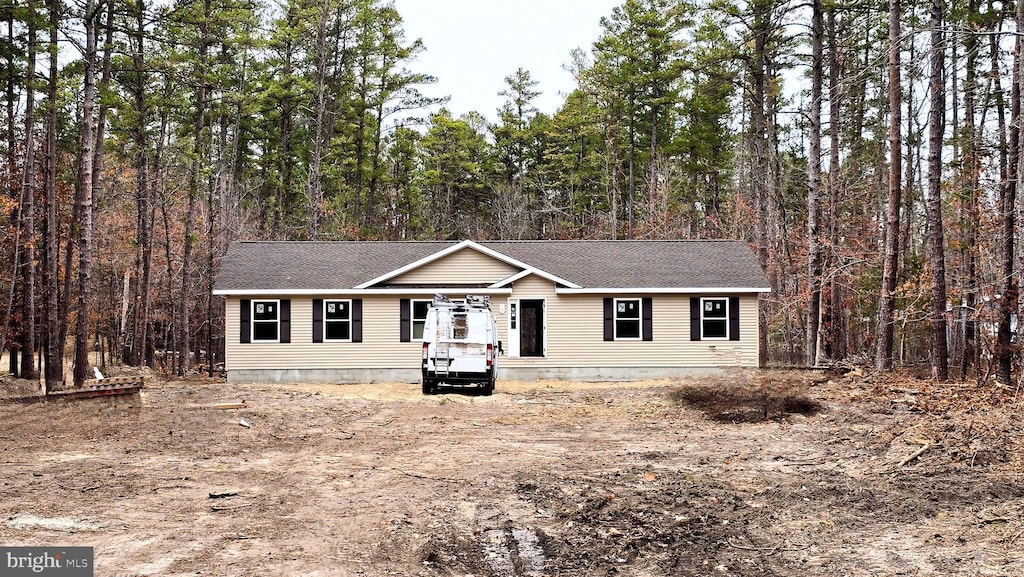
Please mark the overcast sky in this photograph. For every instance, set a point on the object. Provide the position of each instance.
(472, 45)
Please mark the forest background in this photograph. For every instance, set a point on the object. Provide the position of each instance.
(868, 152)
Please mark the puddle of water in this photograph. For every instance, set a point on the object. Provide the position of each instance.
(496, 552)
(505, 549)
(530, 552)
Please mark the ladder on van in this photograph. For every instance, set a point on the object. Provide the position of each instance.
(442, 358)
(442, 346)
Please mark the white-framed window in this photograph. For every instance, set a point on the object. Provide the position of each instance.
(419, 317)
(627, 319)
(266, 320)
(337, 320)
(714, 318)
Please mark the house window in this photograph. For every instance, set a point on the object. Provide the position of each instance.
(337, 320)
(714, 318)
(265, 320)
(419, 318)
(627, 319)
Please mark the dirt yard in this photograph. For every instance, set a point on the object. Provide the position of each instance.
(746, 475)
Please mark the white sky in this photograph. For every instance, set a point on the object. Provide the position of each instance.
(472, 45)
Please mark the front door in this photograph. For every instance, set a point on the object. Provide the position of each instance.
(531, 328)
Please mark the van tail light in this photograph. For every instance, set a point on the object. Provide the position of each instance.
(490, 355)
(426, 348)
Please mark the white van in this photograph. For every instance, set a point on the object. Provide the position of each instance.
(460, 344)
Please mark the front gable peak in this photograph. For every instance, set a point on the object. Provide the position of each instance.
(465, 263)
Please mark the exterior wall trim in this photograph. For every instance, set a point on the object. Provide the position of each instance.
(355, 292)
(661, 290)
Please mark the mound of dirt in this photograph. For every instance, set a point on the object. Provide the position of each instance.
(762, 398)
(11, 388)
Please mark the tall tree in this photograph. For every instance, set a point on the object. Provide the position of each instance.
(887, 302)
(637, 66)
(512, 142)
(55, 309)
(456, 162)
(137, 85)
(84, 193)
(937, 240)
(814, 266)
(704, 142)
(195, 181)
(28, 209)
(1008, 208)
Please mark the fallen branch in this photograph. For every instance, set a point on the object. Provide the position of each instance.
(915, 454)
(229, 507)
(777, 548)
(81, 489)
(419, 476)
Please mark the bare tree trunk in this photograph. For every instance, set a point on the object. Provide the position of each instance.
(184, 323)
(937, 240)
(28, 215)
(1007, 138)
(836, 338)
(611, 170)
(371, 191)
(54, 311)
(362, 212)
(84, 193)
(630, 209)
(1008, 206)
(99, 135)
(314, 185)
(759, 164)
(814, 268)
(12, 99)
(887, 303)
(969, 193)
(143, 197)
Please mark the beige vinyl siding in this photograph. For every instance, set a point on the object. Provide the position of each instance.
(466, 266)
(380, 346)
(575, 335)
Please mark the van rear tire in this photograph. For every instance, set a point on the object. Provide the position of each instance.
(429, 387)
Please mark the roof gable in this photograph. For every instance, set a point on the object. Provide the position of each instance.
(471, 267)
(513, 263)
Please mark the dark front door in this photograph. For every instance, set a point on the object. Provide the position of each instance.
(531, 332)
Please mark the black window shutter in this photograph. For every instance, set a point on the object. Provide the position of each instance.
(694, 318)
(318, 320)
(405, 316)
(286, 321)
(648, 317)
(734, 318)
(609, 319)
(357, 320)
(244, 312)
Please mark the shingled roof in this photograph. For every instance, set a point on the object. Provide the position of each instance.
(588, 264)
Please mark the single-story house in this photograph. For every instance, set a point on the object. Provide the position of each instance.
(353, 311)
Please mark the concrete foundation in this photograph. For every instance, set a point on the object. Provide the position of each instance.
(350, 376)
